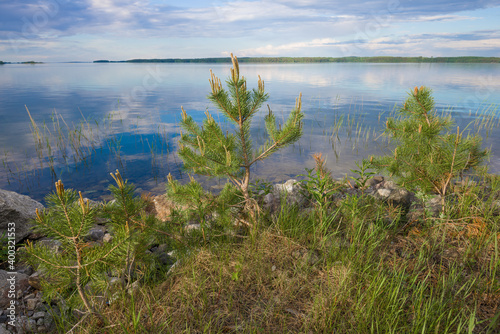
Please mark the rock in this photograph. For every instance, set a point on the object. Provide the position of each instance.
(53, 245)
(384, 193)
(26, 324)
(161, 252)
(434, 205)
(107, 237)
(39, 315)
(192, 226)
(31, 303)
(399, 196)
(11, 283)
(48, 321)
(93, 204)
(34, 281)
(393, 194)
(374, 181)
(268, 199)
(164, 206)
(96, 233)
(24, 269)
(18, 211)
(291, 190)
(3, 329)
(389, 185)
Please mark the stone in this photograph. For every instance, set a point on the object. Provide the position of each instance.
(18, 211)
(20, 285)
(48, 321)
(53, 245)
(374, 181)
(27, 324)
(93, 204)
(399, 197)
(38, 315)
(291, 190)
(192, 226)
(163, 255)
(107, 237)
(393, 194)
(34, 281)
(164, 207)
(96, 233)
(31, 295)
(25, 269)
(4, 330)
(384, 193)
(434, 205)
(31, 303)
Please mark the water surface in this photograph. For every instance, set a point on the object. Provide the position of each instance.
(131, 111)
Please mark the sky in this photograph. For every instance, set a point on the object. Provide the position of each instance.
(87, 30)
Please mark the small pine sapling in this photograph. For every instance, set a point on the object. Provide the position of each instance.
(208, 150)
(428, 156)
(68, 221)
(126, 215)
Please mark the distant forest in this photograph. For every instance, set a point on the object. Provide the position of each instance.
(317, 60)
(24, 62)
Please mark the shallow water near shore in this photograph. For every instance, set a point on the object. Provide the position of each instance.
(88, 120)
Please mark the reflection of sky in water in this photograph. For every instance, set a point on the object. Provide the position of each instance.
(145, 99)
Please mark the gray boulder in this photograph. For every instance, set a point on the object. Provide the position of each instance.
(18, 210)
(291, 190)
(10, 285)
(96, 233)
(392, 194)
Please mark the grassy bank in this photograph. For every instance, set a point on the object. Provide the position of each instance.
(354, 265)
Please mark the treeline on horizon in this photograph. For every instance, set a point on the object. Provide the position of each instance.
(21, 62)
(353, 59)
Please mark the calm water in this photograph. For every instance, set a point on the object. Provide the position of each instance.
(130, 114)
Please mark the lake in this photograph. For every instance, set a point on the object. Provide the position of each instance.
(89, 119)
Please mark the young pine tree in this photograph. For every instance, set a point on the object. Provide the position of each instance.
(207, 150)
(428, 157)
(69, 220)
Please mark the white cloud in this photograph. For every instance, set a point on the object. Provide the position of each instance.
(431, 18)
(276, 50)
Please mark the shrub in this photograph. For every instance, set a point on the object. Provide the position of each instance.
(428, 156)
(68, 220)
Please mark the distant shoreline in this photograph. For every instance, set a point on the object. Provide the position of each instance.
(295, 60)
(20, 62)
(289, 60)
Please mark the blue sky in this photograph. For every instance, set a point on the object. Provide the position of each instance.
(86, 30)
